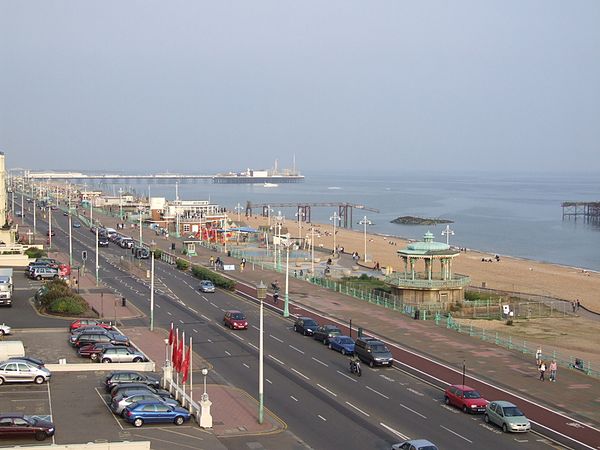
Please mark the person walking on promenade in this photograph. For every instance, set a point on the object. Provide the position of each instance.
(542, 370)
(578, 304)
(538, 356)
(212, 261)
(553, 368)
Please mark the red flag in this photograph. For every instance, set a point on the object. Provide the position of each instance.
(171, 336)
(186, 365)
(174, 352)
(179, 356)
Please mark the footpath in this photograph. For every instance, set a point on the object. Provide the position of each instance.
(443, 351)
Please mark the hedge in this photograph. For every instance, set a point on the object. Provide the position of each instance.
(68, 305)
(34, 252)
(158, 253)
(182, 264)
(202, 273)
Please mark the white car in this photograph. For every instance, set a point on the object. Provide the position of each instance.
(4, 329)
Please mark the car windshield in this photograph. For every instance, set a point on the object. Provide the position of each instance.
(379, 348)
(472, 394)
(207, 283)
(310, 323)
(238, 316)
(428, 447)
(512, 411)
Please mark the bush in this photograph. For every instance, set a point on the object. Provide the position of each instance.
(55, 289)
(182, 264)
(203, 273)
(33, 252)
(158, 253)
(68, 305)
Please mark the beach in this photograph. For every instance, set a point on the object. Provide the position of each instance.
(508, 274)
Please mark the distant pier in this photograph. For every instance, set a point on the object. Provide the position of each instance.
(588, 211)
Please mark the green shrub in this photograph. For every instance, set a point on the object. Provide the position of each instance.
(55, 289)
(202, 273)
(158, 253)
(182, 264)
(33, 252)
(68, 305)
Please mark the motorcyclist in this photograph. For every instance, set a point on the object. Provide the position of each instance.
(355, 364)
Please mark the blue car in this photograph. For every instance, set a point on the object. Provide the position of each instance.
(155, 412)
(343, 344)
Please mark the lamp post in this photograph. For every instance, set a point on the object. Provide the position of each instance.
(49, 227)
(286, 307)
(97, 266)
(280, 218)
(120, 203)
(312, 251)
(140, 210)
(238, 209)
(34, 218)
(261, 294)
(448, 232)
(70, 234)
(335, 219)
(365, 222)
(300, 215)
(152, 248)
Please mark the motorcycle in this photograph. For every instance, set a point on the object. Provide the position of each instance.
(355, 367)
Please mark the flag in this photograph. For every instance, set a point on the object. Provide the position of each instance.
(179, 362)
(171, 335)
(174, 352)
(186, 365)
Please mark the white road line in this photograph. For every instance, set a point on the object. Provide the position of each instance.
(204, 298)
(377, 392)
(321, 417)
(239, 337)
(255, 327)
(456, 434)
(252, 345)
(412, 411)
(396, 432)
(214, 305)
(180, 321)
(276, 338)
(204, 317)
(246, 365)
(295, 348)
(280, 362)
(327, 390)
(193, 310)
(268, 381)
(108, 407)
(358, 409)
(158, 306)
(299, 373)
(293, 398)
(209, 341)
(169, 313)
(344, 375)
(227, 353)
(320, 362)
(50, 407)
(194, 330)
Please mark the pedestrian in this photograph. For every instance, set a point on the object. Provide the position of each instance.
(275, 297)
(573, 305)
(538, 356)
(212, 260)
(578, 304)
(553, 368)
(542, 369)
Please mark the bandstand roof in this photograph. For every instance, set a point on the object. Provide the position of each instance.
(427, 247)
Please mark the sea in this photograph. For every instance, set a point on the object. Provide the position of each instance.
(518, 215)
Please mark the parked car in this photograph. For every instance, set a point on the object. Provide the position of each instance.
(119, 403)
(373, 352)
(107, 337)
(33, 265)
(236, 320)
(465, 398)
(15, 424)
(4, 329)
(342, 344)
(207, 286)
(89, 329)
(76, 225)
(126, 377)
(123, 390)
(155, 412)
(80, 323)
(415, 444)
(507, 416)
(28, 359)
(49, 261)
(121, 354)
(126, 242)
(43, 273)
(93, 351)
(22, 372)
(102, 241)
(305, 325)
(326, 332)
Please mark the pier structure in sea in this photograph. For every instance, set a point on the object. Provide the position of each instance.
(303, 210)
(589, 211)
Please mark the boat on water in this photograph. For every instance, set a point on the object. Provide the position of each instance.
(270, 185)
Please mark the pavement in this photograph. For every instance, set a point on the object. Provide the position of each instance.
(574, 393)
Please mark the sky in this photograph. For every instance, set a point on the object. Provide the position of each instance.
(365, 86)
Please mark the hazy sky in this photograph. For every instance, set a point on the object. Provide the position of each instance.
(195, 86)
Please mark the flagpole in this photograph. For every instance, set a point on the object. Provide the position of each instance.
(191, 372)
(181, 365)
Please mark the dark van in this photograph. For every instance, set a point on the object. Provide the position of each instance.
(373, 352)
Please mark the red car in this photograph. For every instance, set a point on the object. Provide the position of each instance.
(236, 320)
(92, 351)
(79, 323)
(465, 398)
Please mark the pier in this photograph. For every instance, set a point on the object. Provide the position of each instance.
(589, 211)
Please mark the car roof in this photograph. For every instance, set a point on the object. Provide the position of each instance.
(233, 311)
(12, 415)
(462, 387)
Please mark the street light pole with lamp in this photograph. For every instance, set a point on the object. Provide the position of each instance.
(277, 246)
(261, 294)
(300, 215)
(365, 222)
(335, 219)
(97, 246)
(286, 305)
(152, 248)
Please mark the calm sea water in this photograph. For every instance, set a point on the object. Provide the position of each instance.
(518, 215)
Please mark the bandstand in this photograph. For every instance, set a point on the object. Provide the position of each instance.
(428, 276)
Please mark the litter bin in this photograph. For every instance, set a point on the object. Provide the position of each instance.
(229, 253)
(123, 301)
(173, 246)
(360, 332)
(417, 314)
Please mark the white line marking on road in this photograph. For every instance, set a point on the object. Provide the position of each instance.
(293, 398)
(255, 327)
(169, 313)
(206, 318)
(229, 354)
(204, 298)
(412, 411)
(194, 330)
(158, 306)
(377, 392)
(385, 377)
(268, 381)
(420, 394)
(280, 362)
(193, 310)
(327, 390)
(456, 434)
(180, 321)
(239, 337)
(344, 375)
(320, 362)
(252, 345)
(295, 348)
(276, 338)
(108, 407)
(358, 409)
(321, 417)
(396, 432)
(299, 373)
(246, 365)
(214, 305)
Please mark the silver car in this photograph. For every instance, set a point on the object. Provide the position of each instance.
(22, 372)
(119, 403)
(121, 354)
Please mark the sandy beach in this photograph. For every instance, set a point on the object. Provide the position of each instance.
(509, 274)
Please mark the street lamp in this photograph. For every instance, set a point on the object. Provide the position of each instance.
(238, 209)
(70, 234)
(261, 294)
(120, 203)
(335, 219)
(287, 245)
(365, 222)
(300, 215)
(448, 232)
(277, 260)
(152, 248)
(140, 210)
(97, 266)
(49, 227)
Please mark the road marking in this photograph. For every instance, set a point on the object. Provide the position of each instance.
(280, 362)
(456, 434)
(377, 392)
(246, 365)
(276, 338)
(320, 362)
(193, 310)
(109, 410)
(255, 327)
(252, 345)
(299, 373)
(268, 381)
(206, 318)
(412, 411)
(169, 313)
(158, 306)
(293, 398)
(295, 348)
(396, 432)
(321, 417)
(415, 392)
(214, 305)
(344, 375)
(194, 330)
(181, 321)
(327, 390)
(210, 341)
(204, 298)
(358, 409)
(385, 377)
(239, 337)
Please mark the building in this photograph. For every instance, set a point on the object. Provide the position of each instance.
(198, 218)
